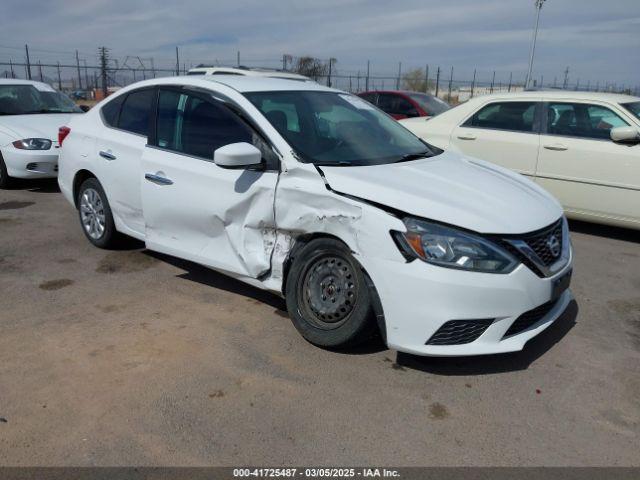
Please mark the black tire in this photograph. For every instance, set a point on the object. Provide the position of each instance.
(327, 295)
(108, 237)
(5, 179)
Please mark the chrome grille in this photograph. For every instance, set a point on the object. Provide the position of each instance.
(544, 251)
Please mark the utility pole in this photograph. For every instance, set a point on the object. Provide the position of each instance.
(59, 78)
(532, 51)
(450, 85)
(510, 81)
(493, 79)
(86, 73)
(329, 76)
(566, 78)
(473, 83)
(238, 58)
(177, 63)
(13, 75)
(366, 83)
(26, 47)
(40, 71)
(437, 80)
(78, 67)
(399, 74)
(104, 62)
(426, 79)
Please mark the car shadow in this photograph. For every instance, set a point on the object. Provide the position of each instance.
(44, 185)
(477, 365)
(492, 364)
(596, 229)
(200, 274)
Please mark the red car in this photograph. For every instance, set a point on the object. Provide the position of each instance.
(404, 104)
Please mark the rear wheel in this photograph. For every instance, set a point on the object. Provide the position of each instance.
(5, 179)
(327, 296)
(95, 214)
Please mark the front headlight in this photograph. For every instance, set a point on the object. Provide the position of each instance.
(33, 144)
(453, 248)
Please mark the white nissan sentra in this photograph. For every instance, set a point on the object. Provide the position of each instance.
(315, 194)
(30, 115)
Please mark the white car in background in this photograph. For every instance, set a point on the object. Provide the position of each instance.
(30, 115)
(316, 195)
(247, 72)
(582, 147)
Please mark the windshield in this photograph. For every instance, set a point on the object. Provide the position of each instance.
(27, 99)
(327, 128)
(633, 107)
(430, 104)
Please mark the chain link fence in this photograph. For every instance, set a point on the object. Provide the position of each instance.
(86, 75)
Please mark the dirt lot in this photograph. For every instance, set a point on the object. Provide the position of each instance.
(132, 358)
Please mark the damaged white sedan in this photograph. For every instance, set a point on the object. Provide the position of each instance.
(315, 194)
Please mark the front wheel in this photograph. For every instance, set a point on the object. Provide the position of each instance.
(95, 214)
(327, 295)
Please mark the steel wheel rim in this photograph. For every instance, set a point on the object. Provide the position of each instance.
(92, 213)
(329, 291)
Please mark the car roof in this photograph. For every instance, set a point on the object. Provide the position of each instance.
(561, 95)
(239, 83)
(18, 81)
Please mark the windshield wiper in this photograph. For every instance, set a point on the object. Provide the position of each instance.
(334, 164)
(414, 156)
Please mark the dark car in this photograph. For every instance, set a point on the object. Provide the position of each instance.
(405, 104)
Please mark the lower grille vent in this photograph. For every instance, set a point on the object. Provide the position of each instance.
(527, 319)
(459, 332)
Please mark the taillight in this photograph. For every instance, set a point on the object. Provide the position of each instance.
(62, 134)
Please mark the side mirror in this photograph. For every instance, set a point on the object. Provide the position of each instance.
(625, 135)
(85, 108)
(237, 155)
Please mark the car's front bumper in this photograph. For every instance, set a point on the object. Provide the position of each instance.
(31, 163)
(419, 298)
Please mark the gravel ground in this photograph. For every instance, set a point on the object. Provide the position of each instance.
(134, 358)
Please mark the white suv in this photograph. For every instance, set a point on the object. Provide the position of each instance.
(582, 147)
(30, 114)
(315, 194)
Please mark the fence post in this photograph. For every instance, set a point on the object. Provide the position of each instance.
(473, 83)
(26, 47)
(366, 83)
(426, 79)
(399, 74)
(78, 68)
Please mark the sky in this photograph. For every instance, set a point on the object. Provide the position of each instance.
(598, 40)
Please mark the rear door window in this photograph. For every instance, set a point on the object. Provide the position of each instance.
(514, 116)
(136, 110)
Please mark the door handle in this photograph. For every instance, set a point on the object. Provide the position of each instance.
(107, 155)
(158, 179)
(467, 136)
(558, 147)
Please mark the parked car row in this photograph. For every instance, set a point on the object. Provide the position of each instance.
(319, 196)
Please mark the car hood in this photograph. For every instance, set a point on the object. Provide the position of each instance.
(35, 126)
(452, 189)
